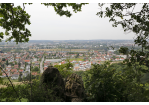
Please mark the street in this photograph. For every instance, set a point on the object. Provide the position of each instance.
(41, 67)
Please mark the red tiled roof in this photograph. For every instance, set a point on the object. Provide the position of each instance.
(16, 73)
(5, 74)
(13, 70)
(18, 57)
(36, 61)
(20, 70)
(34, 73)
(76, 67)
(26, 60)
(45, 68)
(62, 62)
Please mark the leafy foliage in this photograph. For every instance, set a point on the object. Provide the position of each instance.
(104, 84)
(137, 22)
(36, 93)
(35, 69)
(58, 7)
(13, 19)
(65, 69)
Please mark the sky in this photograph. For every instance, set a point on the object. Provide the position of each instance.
(84, 25)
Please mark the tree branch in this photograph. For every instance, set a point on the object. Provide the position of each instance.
(11, 83)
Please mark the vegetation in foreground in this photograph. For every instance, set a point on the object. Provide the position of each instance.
(103, 83)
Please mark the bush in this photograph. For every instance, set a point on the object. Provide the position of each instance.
(36, 69)
(34, 93)
(65, 69)
(104, 84)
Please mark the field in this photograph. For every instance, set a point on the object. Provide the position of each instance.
(72, 50)
(116, 62)
(15, 82)
(77, 59)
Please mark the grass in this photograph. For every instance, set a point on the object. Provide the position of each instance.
(12, 80)
(15, 82)
(116, 62)
(77, 59)
(22, 100)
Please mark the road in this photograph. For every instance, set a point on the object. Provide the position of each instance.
(41, 67)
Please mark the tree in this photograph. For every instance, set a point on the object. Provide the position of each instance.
(19, 64)
(77, 55)
(27, 78)
(114, 57)
(2, 65)
(15, 62)
(103, 83)
(15, 18)
(20, 78)
(3, 59)
(137, 22)
(11, 63)
(35, 69)
(7, 63)
(65, 69)
(26, 64)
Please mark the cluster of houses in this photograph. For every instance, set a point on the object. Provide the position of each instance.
(94, 57)
(15, 64)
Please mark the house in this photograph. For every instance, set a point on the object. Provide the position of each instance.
(82, 68)
(36, 62)
(63, 62)
(8, 68)
(11, 59)
(13, 70)
(34, 73)
(36, 66)
(76, 68)
(21, 70)
(22, 67)
(45, 68)
(121, 59)
(74, 61)
(117, 59)
(9, 65)
(28, 61)
(4, 75)
(80, 61)
(27, 68)
(102, 59)
(16, 66)
(80, 54)
(25, 73)
(15, 75)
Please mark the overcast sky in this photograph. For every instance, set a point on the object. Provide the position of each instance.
(84, 25)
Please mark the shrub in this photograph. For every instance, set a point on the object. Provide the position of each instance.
(104, 84)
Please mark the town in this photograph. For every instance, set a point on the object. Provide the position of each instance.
(38, 55)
